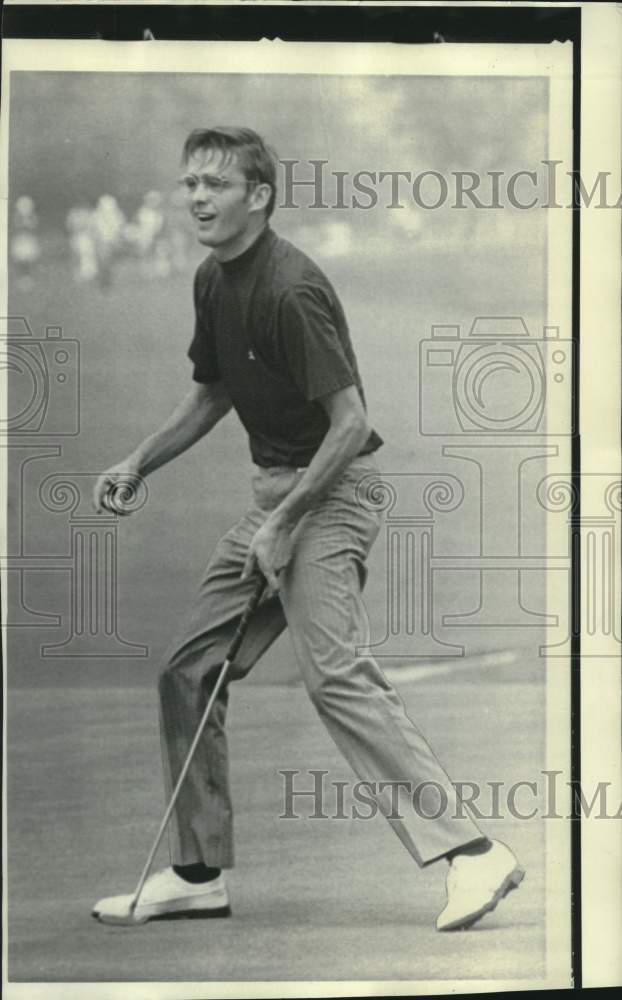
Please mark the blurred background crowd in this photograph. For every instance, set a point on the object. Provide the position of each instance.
(94, 159)
(101, 240)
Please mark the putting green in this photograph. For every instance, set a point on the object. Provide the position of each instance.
(311, 900)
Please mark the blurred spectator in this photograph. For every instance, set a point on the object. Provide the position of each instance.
(25, 248)
(82, 244)
(108, 228)
(144, 236)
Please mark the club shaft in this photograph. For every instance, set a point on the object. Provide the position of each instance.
(231, 653)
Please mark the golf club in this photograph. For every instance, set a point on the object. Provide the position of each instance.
(129, 918)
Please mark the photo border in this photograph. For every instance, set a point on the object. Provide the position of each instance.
(259, 12)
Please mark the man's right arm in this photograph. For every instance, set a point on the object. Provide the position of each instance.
(197, 413)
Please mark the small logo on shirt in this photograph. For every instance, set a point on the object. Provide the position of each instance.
(251, 356)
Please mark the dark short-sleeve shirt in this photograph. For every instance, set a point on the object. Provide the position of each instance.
(270, 326)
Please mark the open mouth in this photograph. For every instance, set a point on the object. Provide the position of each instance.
(205, 217)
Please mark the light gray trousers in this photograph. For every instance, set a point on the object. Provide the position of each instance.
(320, 600)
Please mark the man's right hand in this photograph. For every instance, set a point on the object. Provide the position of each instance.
(116, 488)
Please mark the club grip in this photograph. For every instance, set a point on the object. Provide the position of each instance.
(248, 613)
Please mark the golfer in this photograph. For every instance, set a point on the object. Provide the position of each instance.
(271, 342)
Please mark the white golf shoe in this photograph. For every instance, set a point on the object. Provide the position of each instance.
(167, 896)
(476, 883)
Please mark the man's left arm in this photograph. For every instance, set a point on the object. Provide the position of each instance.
(271, 548)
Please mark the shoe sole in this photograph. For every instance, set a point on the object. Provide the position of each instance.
(221, 911)
(511, 881)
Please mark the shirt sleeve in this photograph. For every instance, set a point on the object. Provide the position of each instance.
(310, 344)
(202, 351)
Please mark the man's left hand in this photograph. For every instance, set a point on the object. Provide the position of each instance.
(270, 551)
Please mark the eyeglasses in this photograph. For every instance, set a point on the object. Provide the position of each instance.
(213, 184)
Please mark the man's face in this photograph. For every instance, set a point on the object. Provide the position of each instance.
(219, 197)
